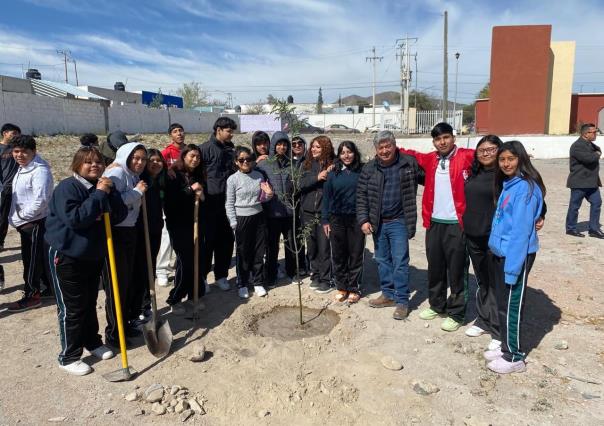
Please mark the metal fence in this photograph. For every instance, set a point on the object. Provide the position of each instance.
(421, 122)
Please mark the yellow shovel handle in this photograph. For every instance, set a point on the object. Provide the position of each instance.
(116, 291)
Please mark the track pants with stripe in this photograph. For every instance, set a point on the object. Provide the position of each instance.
(75, 284)
(183, 245)
(33, 256)
(486, 303)
(250, 238)
(447, 267)
(347, 245)
(124, 245)
(510, 304)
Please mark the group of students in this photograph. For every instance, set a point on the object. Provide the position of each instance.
(322, 201)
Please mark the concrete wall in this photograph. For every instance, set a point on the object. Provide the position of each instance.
(481, 116)
(116, 96)
(585, 108)
(13, 84)
(563, 53)
(540, 147)
(45, 115)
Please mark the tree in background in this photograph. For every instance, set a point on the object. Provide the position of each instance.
(256, 108)
(157, 100)
(290, 99)
(192, 95)
(340, 99)
(270, 99)
(485, 92)
(423, 101)
(320, 102)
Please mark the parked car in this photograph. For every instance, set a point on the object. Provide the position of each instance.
(340, 129)
(377, 127)
(310, 129)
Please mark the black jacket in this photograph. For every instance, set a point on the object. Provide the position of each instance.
(311, 189)
(179, 201)
(584, 165)
(218, 159)
(278, 172)
(370, 189)
(74, 225)
(480, 203)
(154, 198)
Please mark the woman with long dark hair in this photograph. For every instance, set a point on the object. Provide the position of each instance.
(477, 219)
(181, 193)
(513, 244)
(156, 178)
(340, 224)
(76, 236)
(315, 168)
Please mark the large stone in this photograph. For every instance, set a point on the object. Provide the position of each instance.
(391, 364)
(184, 416)
(132, 396)
(154, 393)
(174, 389)
(198, 354)
(196, 407)
(562, 345)
(158, 409)
(181, 406)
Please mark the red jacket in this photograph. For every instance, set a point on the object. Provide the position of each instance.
(171, 154)
(460, 168)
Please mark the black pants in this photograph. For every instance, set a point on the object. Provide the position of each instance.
(76, 287)
(183, 245)
(278, 226)
(318, 248)
(447, 264)
(510, 305)
(218, 236)
(486, 303)
(250, 236)
(347, 245)
(33, 255)
(124, 246)
(139, 297)
(6, 197)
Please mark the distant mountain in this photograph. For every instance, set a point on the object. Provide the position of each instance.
(390, 97)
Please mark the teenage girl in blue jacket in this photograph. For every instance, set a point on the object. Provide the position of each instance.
(513, 244)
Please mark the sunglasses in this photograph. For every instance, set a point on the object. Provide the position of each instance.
(245, 160)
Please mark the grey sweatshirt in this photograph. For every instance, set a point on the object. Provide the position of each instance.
(243, 195)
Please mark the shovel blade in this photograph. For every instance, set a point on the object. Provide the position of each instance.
(121, 375)
(158, 337)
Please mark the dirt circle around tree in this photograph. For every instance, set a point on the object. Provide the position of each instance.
(283, 323)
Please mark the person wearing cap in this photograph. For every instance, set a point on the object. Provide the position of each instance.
(110, 146)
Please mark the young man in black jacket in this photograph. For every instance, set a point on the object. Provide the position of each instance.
(387, 210)
(218, 156)
(584, 182)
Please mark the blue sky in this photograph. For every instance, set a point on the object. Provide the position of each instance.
(255, 47)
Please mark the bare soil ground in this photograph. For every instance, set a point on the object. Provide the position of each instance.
(338, 377)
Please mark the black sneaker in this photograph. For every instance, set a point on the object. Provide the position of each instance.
(314, 284)
(323, 288)
(26, 303)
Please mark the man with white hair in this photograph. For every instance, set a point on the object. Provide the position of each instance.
(387, 210)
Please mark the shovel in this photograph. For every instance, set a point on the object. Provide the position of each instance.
(196, 261)
(157, 333)
(125, 373)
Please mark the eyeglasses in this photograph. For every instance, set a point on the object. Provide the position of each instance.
(245, 160)
(297, 143)
(487, 151)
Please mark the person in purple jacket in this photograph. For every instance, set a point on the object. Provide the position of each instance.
(513, 245)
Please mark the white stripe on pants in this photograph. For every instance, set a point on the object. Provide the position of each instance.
(165, 255)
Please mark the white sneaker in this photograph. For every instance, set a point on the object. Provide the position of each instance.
(474, 331)
(244, 293)
(178, 309)
(502, 366)
(223, 284)
(78, 368)
(494, 344)
(162, 281)
(260, 291)
(493, 355)
(102, 352)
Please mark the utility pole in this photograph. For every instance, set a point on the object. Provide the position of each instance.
(75, 68)
(405, 80)
(373, 59)
(457, 55)
(65, 53)
(445, 71)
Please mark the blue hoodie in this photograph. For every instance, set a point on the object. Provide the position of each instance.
(513, 233)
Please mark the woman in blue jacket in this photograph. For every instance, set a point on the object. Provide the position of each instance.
(513, 243)
(340, 224)
(75, 233)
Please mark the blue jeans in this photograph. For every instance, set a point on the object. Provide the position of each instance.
(576, 198)
(392, 255)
